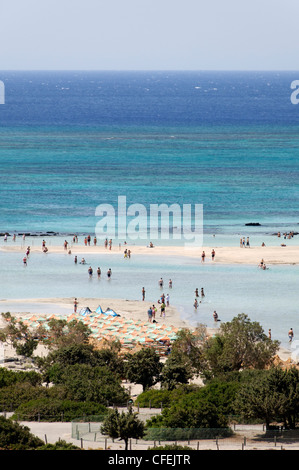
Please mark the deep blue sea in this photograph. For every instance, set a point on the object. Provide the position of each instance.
(70, 141)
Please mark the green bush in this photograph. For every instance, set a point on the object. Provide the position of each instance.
(13, 396)
(84, 382)
(59, 445)
(9, 377)
(16, 437)
(57, 410)
(154, 398)
(184, 434)
(170, 447)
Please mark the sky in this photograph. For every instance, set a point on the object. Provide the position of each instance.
(149, 35)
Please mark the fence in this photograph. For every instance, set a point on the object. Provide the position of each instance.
(237, 437)
(85, 432)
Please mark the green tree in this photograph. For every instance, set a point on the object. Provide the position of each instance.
(85, 382)
(240, 344)
(190, 411)
(9, 377)
(21, 338)
(61, 333)
(144, 367)
(188, 345)
(176, 370)
(123, 426)
(74, 354)
(273, 397)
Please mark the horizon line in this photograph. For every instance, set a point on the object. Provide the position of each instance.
(150, 70)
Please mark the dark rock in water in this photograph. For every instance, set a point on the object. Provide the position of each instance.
(253, 224)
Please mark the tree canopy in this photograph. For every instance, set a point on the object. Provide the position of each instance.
(123, 425)
(240, 344)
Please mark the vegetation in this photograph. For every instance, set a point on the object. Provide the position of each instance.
(170, 447)
(8, 377)
(57, 410)
(123, 426)
(16, 437)
(13, 436)
(274, 397)
(144, 367)
(240, 344)
(21, 338)
(76, 379)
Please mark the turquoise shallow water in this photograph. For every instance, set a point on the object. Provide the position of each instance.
(270, 297)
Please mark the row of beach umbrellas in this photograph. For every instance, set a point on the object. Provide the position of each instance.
(103, 326)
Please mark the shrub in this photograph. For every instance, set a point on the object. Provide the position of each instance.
(170, 447)
(13, 396)
(9, 377)
(59, 445)
(16, 437)
(57, 410)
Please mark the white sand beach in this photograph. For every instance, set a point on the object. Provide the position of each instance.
(224, 255)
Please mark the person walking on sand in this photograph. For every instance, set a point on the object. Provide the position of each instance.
(154, 311)
(291, 334)
(167, 300)
(213, 254)
(75, 305)
(162, 314)
(150, 314)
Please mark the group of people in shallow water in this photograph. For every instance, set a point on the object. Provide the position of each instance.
(196, 302)
(262, 265)
(99, 272)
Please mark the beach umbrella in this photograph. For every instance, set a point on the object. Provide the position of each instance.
(145, 339)
(164, 338)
